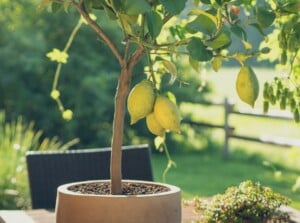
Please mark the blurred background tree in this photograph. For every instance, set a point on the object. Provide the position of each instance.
(26, 35)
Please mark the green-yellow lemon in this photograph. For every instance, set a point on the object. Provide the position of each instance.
(140, 100)
(167, 113)
(247, 85)
(154, 126)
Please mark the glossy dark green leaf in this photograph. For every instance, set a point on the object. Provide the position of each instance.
(202, 24)
(177, 31)
(198, 51)
(239, 32)
(135, 7)
(154, 23)
(174, 6)
(222, 40)
(265, 17)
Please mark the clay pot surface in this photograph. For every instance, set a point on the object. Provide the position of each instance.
(163, 207)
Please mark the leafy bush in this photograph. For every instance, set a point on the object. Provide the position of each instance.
(17, 137)
(248, 202)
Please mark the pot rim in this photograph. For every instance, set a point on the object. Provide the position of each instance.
(172, 189)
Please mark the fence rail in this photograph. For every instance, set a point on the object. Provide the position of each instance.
(230, 130)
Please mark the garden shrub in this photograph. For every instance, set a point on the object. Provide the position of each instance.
(16, 138)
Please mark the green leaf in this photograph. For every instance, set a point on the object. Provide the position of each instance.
(216, 63)
(247, 45)
(258, 28)
(221, 41)
(239, 32)
(135, 7)
(265, 17)
(202, 24)
(154, 23)
(198, 50)
(118, 5)
(194, 64)
(174, 6)
(171, 67)
(293, 7)
(205, 13)
(127, 21)
(109, 12)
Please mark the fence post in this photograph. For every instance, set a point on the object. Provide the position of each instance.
(227, 110)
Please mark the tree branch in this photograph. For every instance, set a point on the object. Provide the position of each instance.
(134, 59)
(81, 9)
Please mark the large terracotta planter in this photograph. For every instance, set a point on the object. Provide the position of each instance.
(164, 207)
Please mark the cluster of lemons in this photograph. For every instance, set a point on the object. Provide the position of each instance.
(161, 113)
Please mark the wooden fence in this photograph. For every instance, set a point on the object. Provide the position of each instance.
(230, 130)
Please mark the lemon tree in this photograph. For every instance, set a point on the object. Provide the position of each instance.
(163, 31)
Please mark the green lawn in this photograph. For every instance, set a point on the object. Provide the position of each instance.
(204, 172)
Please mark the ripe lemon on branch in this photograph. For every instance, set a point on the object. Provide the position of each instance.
(140, 100)
(247, 85)
(167, 113)
(154, 126)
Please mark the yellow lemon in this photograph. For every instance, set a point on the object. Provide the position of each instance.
(153, 125)
(247, 85)
(167, 114)
(140, 100)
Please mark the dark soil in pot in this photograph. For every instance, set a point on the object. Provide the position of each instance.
(103, 188)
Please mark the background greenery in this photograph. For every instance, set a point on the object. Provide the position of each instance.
(26, 76)
(16, 138)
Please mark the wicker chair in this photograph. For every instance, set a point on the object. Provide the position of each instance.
(48, 170)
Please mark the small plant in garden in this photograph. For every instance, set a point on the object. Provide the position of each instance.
(248, 202)
(16, 138)
(164, 31)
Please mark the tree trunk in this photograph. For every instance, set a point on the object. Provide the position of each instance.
(118, 128)
(119, 116)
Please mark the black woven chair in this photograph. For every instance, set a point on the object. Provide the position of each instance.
(48, 170)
